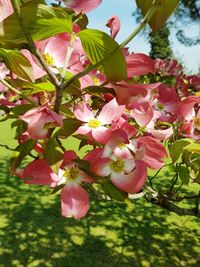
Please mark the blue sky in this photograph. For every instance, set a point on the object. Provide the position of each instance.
(124, 8)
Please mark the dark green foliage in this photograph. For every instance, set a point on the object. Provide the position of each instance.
(160, 44)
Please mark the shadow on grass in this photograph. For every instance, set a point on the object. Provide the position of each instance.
(33, 233)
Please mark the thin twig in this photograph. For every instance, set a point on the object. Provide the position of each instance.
(4, 82)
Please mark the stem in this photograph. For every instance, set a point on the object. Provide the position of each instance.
(7, 147)
(4, 82)
(142, 24)
(33, 49)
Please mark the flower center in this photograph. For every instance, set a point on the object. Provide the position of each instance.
(71, 174)
(121, 146)
(48, 59)
(94, 123)
(197, 122)
(117, 165)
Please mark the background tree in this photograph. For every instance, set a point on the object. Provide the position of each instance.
(188, 12)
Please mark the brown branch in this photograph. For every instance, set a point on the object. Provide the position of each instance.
(163, 202)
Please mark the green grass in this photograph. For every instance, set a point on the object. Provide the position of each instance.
(33, 233)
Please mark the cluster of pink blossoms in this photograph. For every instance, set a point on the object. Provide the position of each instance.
(125, 130)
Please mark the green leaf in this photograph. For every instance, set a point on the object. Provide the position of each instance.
(70, 126)
(102, 50)
(113, 192)
(22, 151)
(57, 188)
(194, 147)
(21, 109)
(41, 21)
(53, 154)
(166, 8)
(17, 63)
(183, 173)
(177, 148)
(34, 87)
(74, 87)
(99, 90)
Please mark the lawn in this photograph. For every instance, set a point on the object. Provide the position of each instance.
(33, 233)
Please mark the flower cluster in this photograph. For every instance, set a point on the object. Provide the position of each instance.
(125, 122)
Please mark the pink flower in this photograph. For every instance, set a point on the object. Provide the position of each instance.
(95, 125)
(38, 172)
(186, 109)
(114, 24)
(127, 174)
(40, 120)
(6, 9)
(74, 201)
(82, 6)
(153, 151)
(139, 64)
(38, 72)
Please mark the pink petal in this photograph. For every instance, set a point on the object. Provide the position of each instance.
(82, 6)
(39, 172)
(83, 113)
(143, 113)
(139, 64)
(132, 182)
(154, 151)
(161, 134)
(114, 24)
(69, 157)
(111, 111)
(6, 9)
(38, 72)
(101, 167)
(186, 107)
(117, 137)
(74, 201)
(101, 134)
(36, 128)
(93, 155)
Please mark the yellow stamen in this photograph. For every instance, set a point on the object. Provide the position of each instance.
(94, 123)
(95, 80)
(197, 122)
(48, 59)
(122, 145)
(71, 173)
(117, 165)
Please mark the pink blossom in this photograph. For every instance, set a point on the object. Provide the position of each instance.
(186, 108)
(39, 172)
(139, 64)
(114, 24)
(95, 125)
(82, 6)
(6, 9)
(74, 201)
(125, 173)
(153, 151)
(38, 72)
(40, 120)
